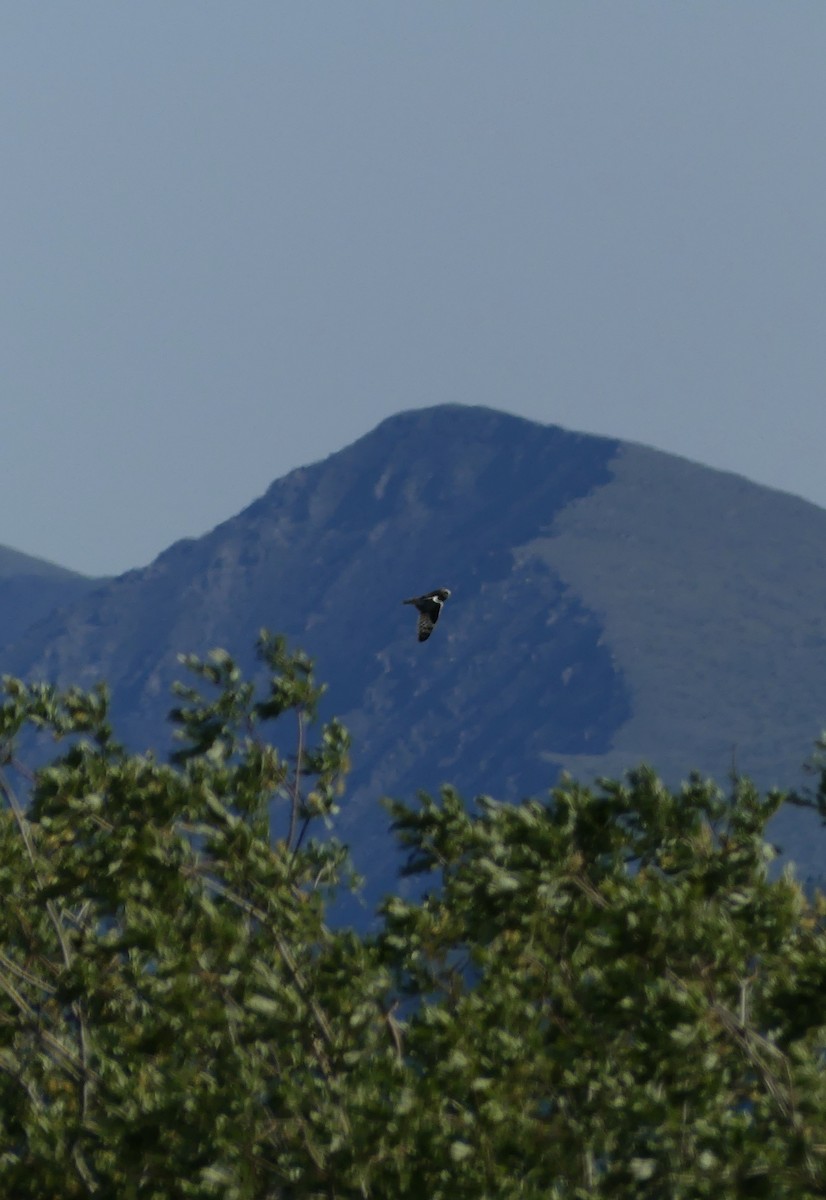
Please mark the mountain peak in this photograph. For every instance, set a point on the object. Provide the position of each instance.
(475, 422)
(451, 419)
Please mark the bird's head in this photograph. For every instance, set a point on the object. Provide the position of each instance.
(442, 593)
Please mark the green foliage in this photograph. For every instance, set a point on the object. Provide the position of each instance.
(620, 1001)
(167, 983)
(602, 995)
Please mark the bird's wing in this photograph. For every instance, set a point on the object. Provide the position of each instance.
(426, 622)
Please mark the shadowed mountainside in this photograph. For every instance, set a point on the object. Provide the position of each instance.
(610, 604)
(31, 589)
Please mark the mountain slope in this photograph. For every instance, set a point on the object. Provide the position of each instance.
(30, 589)
(610, 603)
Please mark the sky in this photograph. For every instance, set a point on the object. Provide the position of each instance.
(235, 237)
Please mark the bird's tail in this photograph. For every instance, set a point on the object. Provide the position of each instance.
(412, 601)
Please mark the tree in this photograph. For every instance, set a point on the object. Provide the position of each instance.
(616, 998)
(175, 1015)
(604, 993)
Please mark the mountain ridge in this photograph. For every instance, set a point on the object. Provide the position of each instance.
(31, 588)
(610, 603)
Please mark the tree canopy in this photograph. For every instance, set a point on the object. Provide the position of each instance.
(602, 993)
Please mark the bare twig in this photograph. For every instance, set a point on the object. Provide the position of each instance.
(295, 797)
(395, 1031)
(25, 975)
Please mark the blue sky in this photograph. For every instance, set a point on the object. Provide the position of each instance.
(237, 236)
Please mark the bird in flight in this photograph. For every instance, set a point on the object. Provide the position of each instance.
(429, 606)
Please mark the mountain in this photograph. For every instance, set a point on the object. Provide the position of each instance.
(610, 604)
(31, 589)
